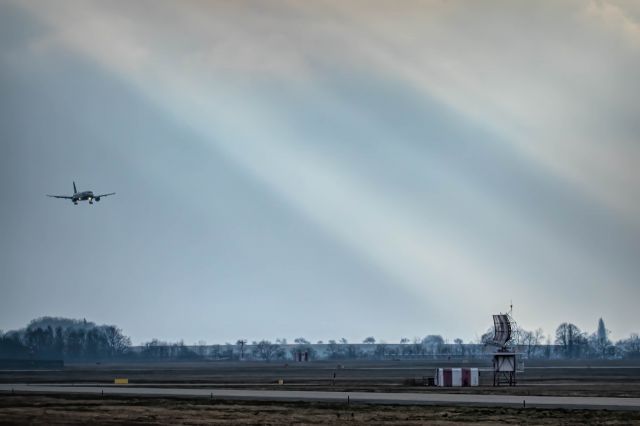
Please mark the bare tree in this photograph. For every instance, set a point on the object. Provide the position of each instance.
(117, 343)
(381, 350)
(334, 350)
(459, 346)
(487, 336)
(629, 348)
(266, 350)
(531, 340)
(570, 339)
(417, 347)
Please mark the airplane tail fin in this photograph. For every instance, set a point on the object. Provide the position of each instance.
(75, 191)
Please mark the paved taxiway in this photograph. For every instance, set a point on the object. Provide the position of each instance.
(569, 402)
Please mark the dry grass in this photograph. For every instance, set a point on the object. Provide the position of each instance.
(82, 410)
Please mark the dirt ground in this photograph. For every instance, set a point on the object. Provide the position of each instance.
(68, 410)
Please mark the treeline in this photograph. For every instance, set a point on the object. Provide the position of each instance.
(575, 343)
(80, 340)
(62, 338)
(570, 342)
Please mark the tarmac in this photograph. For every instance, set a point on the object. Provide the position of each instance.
(446, 399)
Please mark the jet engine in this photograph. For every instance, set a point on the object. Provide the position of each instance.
(97, 198)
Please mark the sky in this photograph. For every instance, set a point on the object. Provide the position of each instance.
(320, 169)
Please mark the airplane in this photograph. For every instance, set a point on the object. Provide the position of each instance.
(81, 196)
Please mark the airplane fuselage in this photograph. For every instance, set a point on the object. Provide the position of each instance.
(84, 196)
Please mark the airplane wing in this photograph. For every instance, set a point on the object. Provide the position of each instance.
(104, 195)
(60, 196)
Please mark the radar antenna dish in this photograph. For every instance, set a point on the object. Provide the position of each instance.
(504, 359)
(502, 331)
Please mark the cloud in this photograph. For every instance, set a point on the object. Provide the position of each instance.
(549, 81)
(541, 77)
(619, 18)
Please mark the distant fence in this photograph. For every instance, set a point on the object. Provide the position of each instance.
(31, 364)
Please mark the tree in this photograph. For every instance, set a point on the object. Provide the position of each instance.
(487, 336)
(266, 350)
(459, 346)
(531, 340)
(629, 348)
(381, 350)
(227, 352)
(404, 340)
(51, 337)
(201, 348)
(600, 339)
(334, 350)
(12, 347)
(95, 344)
(39, 341)
(369, 340)
(433, 343)
(58, 342)
(571, 340)
(156, 349)
(116, 342)
(352, 352)
(75, 339)
(301, 341)
(417, 347)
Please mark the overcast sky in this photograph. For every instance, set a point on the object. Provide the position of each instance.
(320, 169)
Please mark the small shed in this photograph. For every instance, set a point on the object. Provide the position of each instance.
(455, 377)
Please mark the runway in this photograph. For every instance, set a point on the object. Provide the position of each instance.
(340, 397)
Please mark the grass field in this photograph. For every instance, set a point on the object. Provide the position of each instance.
(594, 378)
